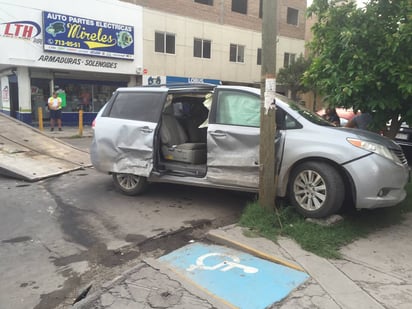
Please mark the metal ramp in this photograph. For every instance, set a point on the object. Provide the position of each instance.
(27, 153)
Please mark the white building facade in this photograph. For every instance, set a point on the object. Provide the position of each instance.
(87, 49)
(233, 54)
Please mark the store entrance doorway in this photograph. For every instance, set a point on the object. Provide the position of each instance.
(14, 99)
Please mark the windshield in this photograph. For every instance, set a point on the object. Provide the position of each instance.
(309, 115)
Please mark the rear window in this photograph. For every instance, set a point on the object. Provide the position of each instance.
(142, 106)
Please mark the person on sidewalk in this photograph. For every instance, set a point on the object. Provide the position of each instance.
(360, 121)
(55, 106)
(332, 116)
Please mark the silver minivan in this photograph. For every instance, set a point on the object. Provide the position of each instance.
(207, 135)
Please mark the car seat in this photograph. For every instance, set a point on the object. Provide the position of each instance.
(175, 145)
(191, 116)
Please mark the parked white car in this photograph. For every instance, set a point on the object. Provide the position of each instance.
(206, 135)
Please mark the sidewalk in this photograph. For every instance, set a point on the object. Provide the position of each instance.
(68, 132)
(375, 273)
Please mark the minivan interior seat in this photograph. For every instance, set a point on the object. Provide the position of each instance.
(175, 145)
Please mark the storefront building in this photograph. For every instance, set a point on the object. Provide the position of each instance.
(84, 50)
(87, 49)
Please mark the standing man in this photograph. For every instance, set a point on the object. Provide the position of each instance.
(360, 121)
(55, 107)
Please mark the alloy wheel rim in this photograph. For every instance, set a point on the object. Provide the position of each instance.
(310, 190)
(128, 181)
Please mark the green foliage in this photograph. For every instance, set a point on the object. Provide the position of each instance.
(324, 241)
(291, 76)
(362, 57)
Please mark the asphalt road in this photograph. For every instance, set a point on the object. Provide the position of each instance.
(60, 234)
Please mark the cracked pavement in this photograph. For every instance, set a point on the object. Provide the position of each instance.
(375, 272)
(146, 287)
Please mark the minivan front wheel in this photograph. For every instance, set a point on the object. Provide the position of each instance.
(130, 184)
(316, 189)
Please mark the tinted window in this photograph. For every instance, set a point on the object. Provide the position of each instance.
(170, 43)
(238, 108)
(137, 106)
(239, 6)
(236, 53)
(292, 17)
(288, 59)
(201, 48)
(284, 121)
(164, 42)
(208, 2)
(159, 42)
(197, 48)
(206, 48)
(259, 56)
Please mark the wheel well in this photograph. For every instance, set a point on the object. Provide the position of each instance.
(350, 190)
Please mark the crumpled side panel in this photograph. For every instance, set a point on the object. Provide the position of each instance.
(123, 147)
(233, 155)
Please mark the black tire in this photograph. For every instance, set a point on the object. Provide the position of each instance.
(316, 189)
(130, 184)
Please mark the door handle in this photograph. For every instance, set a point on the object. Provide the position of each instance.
(146, 130)
(218, 133)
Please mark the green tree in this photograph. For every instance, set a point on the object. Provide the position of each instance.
(362, 57)
(291, 76)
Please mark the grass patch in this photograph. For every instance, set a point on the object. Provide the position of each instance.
(324, 241)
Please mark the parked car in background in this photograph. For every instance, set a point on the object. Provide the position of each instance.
(207, 135)
(404, 139)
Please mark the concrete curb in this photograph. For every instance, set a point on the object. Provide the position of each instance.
(342, 289)
(232, 236)
(345, 292)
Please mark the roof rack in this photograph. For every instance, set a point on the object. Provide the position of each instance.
(184, 85)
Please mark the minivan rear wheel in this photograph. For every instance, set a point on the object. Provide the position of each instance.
(130, 184)
(316, 189)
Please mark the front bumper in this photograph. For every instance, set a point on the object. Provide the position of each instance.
(378, 181)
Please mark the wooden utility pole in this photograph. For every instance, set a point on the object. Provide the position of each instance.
(267, 186)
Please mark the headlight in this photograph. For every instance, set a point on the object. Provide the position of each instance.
(375, 148)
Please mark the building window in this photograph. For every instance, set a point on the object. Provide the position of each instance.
(288, 59)
(259, 56)
(201, 48)
(164, 42)
(86, 95)
(293, 17)
(239, 6)
(208, 2)
(237, 53)
(261, 9)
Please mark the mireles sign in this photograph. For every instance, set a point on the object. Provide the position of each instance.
(85, 36)
(95, 39)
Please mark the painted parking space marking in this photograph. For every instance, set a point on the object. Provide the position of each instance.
(238, 278)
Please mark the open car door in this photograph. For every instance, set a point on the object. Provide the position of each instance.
(233, 138)
(124, 132)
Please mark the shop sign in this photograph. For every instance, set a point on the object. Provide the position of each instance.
(78, 35)
(153, 80)
(160, 79)
(22, 29)
(192, 80)
(78, 61)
